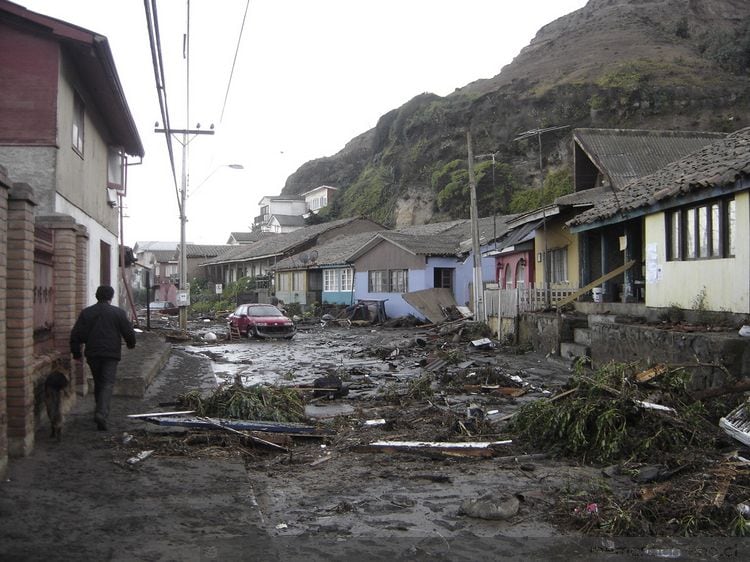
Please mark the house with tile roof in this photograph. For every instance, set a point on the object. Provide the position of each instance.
(693, 221)
(410, 259)
(237, 238)
(541, 251)
(321, 274)
(255, 260)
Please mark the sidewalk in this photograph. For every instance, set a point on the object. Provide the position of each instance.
(80, 499)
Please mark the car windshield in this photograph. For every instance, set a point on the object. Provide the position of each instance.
(263, 311)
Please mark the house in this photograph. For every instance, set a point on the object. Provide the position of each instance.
(318, 198)
(541, 252)
(237, 238)
(196, 254)
(157, 269)
(255, 260)
(694, 216)
(279, 205)
(321, 274)
(66, 133)
(434, 256)
(66, 129)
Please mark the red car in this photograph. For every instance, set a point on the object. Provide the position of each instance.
(262, 321)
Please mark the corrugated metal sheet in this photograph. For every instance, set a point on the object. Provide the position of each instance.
(718, 164)
(624, 155)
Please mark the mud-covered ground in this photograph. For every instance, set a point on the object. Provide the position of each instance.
(211, 495)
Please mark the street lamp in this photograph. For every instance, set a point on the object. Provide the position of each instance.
(208, 177)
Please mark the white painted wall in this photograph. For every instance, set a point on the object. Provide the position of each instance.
(96, 233)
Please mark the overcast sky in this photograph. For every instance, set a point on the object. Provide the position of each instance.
(309, 76)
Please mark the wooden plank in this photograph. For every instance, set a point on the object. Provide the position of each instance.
(652, 373)
(469, 449)
(152, 414)
(614, 273)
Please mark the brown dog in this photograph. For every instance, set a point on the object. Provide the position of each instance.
(54, 386)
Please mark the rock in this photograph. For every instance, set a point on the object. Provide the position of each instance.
(490, 507)
(210, 336)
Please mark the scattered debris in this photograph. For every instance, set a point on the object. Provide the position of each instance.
(737, 423)
(143, 455)
(491, 507)
(475, 449)
(257, 402)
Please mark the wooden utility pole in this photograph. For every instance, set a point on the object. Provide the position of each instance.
(478, 289)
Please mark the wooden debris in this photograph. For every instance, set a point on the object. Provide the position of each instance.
(467, 449)
(254, 439)
(247, 425)
(152, 414)
(652, 373)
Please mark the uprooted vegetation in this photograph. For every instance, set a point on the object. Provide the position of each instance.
(257, 402)
(655, 433)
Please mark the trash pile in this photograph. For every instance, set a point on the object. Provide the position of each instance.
(689, 478)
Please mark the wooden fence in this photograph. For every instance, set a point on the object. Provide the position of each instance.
(510, 303)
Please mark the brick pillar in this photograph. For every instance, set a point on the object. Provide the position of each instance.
(4, 187)
(20, 320)
(79, 371)
(69, 283)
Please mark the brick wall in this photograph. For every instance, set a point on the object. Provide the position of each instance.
(20, 320)
(4, 187)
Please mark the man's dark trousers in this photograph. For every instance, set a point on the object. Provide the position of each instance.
(104, 371)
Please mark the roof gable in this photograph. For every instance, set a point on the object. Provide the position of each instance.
(97, 72)
(623, 155)
(717, 165)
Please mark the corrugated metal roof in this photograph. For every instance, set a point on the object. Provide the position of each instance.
(721, 163)
(624, 155)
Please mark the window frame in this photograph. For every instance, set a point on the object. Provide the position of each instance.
(702, 231)
(443, 277)
(78, 124)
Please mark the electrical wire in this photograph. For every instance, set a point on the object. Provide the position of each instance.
(234, 61)
(152, 22)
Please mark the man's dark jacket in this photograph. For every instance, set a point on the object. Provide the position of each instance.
(100, 327)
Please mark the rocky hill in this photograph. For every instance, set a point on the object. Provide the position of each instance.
(650, 64)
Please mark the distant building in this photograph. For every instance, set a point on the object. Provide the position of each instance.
(318, 198)
(282, 206)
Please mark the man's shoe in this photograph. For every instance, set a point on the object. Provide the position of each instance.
(101, 423)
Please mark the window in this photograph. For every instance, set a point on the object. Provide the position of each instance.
(443, 278)
(508, 281)
(298, 281)
(78, 116)
(330, 280)
(399, 282)
(557, 260)
(346, 279)
(388, 281)
(285, 282)
(520, 273)
(705, 231)
(104, 263)
(377, 281)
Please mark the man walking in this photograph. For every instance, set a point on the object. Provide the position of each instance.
(99, 327)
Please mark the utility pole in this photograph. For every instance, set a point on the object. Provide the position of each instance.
(478, 284)
(183, 293)
(538, 133)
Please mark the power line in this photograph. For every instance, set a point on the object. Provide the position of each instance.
(152, 22)
(234, 62)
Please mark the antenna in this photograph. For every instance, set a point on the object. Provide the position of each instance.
(304, 257)
(313, 256)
